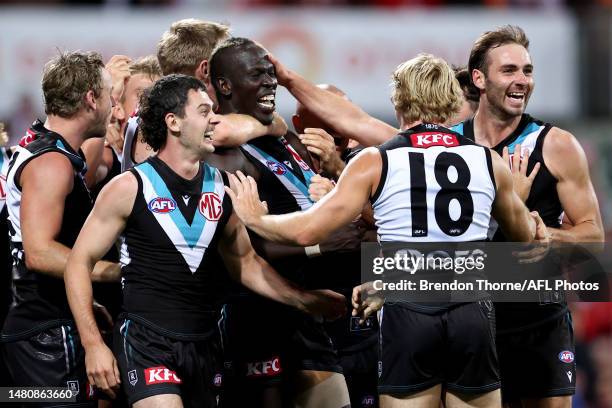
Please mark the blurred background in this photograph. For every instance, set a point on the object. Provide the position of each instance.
(355, 45)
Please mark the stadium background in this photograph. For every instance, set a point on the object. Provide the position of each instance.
(355, 44)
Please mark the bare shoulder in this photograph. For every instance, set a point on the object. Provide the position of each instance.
(562, 153)
(122, 185)
(52, 167)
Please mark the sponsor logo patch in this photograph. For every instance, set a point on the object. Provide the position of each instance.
(276, 168)
(429, 139)
(569, 376)
(73, 386)
(210, 206)
(159, 375)
(162, 205)
(264, 368)
(566, 356)
(132, 377)
(368, 401)
(218, 380)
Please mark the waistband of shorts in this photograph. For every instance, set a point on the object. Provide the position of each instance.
(42, 326)
(170, 333)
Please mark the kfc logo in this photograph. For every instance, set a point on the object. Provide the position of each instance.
(158, 375)
(429, 139)
(264, 368)
(210, 206)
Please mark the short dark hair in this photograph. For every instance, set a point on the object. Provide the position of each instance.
(508, 34)
(168, 95)
(67, 78)
(470, 92)
(217, 62)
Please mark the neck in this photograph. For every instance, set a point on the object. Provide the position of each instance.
(71, 129)
(490, 129)
(183, 162)
(407, 125)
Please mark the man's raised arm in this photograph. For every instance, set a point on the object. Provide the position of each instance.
(347, 119)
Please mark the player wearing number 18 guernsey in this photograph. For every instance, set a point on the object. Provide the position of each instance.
(410, 184)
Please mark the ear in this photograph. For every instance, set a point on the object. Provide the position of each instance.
(201, 71)
(172, 122)
(224, 86)
(297, 123)
(478, 78)
(90, 100)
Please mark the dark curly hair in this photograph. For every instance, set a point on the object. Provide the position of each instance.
(168, 95)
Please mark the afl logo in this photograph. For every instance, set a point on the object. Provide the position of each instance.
(566, 356)
(162, 205)
(210, 206)
(276, 168)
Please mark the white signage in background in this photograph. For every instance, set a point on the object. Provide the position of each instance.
(353, 49)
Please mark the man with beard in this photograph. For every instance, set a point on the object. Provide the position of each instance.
(551, 161)
(172, 213)
(409, 180)
(47, 205)
(291, 358)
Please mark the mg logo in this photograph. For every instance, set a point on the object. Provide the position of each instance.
(210, 206)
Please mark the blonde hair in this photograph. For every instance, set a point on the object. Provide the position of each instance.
(148, 66)
(425, 89)
(187, 43)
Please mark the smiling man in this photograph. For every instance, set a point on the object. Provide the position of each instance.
(172, 214)
(245, 82)
(502, 70)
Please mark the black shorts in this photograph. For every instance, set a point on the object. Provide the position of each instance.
(263, 342)
(359, 369)
(455, 348)
(538, 362)
(153, 364)
(51, 358)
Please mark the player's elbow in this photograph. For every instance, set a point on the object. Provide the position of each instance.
(306, 237)
(35, 261)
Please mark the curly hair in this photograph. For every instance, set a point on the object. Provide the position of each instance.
(168, 95)
(425, 88)
(67, 78)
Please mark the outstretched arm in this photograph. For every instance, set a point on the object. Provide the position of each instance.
(347, 119)
(235, 129)
(343, 204)
(246, 267)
